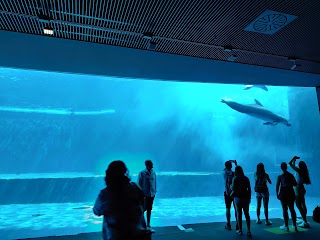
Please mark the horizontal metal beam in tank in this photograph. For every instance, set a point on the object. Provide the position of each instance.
(55, 111)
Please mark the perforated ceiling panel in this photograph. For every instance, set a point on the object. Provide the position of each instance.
(196, 28)
(270, 22)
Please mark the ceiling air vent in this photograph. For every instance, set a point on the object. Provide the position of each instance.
(270, 22)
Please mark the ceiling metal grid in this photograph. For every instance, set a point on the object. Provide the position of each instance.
(197, 28)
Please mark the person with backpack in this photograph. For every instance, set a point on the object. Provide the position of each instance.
(285, 193)
(262, 192)
(302, 177)
(241, 191)
(228, 176)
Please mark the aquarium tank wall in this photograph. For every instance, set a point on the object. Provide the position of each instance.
(60, 131)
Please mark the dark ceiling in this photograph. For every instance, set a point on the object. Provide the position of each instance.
(197, 28)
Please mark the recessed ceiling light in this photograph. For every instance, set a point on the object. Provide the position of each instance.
(48, 31)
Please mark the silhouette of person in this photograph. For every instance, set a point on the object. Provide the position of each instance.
(262, 192)
(121, 205)
(285, 193)
(302, 177)
(228, 176)
(147, 180)
(242, 196)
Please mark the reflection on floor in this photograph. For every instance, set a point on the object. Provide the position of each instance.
(36, 220)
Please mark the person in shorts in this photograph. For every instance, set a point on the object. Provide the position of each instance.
(302, 178)
(262, 192)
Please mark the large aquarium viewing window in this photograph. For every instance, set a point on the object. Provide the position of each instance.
(60, 131)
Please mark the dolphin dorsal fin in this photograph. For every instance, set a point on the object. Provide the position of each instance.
(257, 102)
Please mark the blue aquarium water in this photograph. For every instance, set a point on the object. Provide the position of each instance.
(60, 131)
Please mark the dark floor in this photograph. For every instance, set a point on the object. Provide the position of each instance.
(216, 231)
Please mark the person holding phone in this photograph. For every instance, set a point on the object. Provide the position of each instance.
(302, 177)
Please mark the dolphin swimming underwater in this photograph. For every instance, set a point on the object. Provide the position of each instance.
(258, 111)
(256, 86)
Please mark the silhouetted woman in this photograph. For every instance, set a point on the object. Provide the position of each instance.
(242, 195)
(262, 192)
(302, 177)
(121, 204)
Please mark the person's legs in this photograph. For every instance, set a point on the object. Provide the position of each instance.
(148, 217)
(285, 213)
(239, 215)
(305, 223)
(235, 215)
(149, 204)
(228, 201)
(299, 206)
(246, 205)
(259, 198)
(293, 214)
(266, 208)
(228, 215)
(304, 207)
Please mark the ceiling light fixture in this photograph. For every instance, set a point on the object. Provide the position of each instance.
(293, 67)
(147, 35)
(227, 48)
(48, 31)
(152, 45)
(294, 64)
(232, 58)
(44, 18)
